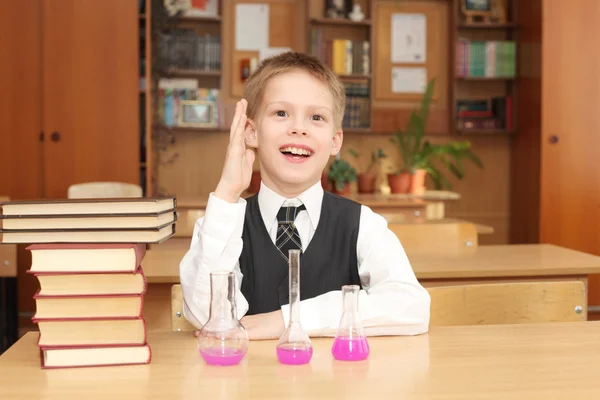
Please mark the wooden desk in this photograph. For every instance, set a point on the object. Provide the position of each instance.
(496, 263)
(488, 262)
(400, 207)
(529, 361)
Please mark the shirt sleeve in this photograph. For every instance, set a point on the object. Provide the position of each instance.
(216, 245)
(391, 302)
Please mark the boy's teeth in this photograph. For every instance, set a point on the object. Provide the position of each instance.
(295, 150)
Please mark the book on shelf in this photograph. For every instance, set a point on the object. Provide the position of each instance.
(357, 112)
(184, 49)
(493, 113)
(171, 92)
(485, 59)
(345, 57)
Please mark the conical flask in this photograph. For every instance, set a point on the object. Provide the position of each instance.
(294, 346)
(350, 343)
(222, 340)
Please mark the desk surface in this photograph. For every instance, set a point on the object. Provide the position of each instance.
(534, 361)
(494, 261)
(371, 200)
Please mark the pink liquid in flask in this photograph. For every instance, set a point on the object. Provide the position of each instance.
(222, 356)
(350, 348)
(291, 356)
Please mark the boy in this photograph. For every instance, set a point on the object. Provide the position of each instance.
(293, 119)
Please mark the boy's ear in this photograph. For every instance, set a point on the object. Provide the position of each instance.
(338, 139)
(250, 136)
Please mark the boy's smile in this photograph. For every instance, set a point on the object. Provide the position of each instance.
(296, 132)
(296, 153)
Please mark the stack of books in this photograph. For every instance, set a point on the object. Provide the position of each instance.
(87, 255)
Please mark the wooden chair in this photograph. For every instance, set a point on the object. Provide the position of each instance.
(104, 190)
(436, 238)
(508, 303)
(477, 304)
(178, 321)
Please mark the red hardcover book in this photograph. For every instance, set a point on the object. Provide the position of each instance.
(79, 357)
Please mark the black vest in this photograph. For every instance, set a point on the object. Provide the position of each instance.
(328, 263)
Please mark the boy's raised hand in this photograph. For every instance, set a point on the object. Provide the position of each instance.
(237, 170)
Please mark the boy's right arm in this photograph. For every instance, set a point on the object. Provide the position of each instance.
(216, 246)
(217, 239)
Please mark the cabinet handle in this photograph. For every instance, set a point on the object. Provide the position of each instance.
(55, 136)
(553, 139)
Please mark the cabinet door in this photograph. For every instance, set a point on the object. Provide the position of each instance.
(90, 93)
(570, 183)
(20, 102)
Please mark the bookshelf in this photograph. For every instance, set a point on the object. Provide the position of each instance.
(177, 48)
(484, 73)
(345, 45)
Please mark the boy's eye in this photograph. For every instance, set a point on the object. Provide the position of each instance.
(318, 118)
(280, 113)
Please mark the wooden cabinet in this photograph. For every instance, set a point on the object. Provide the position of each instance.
(69, 109)
(69, 104)
(556, 180)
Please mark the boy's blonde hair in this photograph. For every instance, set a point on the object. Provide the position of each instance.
(286, 62)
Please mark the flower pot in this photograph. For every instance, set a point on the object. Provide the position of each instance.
(417, 185)
(366, 182)
(254, 186)
(400, 183)
(345, 190)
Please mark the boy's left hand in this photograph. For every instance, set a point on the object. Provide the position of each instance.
(264, 326)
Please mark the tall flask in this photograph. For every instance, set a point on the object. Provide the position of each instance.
(294, 346)
(350, 343)
(222, 340)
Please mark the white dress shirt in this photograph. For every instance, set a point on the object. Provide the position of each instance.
(392, 301)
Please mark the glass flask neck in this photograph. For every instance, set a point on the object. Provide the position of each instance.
(222, 299)
(350, 298)
(294, 286)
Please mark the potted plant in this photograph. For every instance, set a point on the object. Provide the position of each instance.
(366, 179)
(419, 156)
(340, 175)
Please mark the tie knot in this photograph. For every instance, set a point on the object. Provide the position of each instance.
(287, 215)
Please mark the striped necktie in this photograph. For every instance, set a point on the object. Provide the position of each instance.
(287, 234)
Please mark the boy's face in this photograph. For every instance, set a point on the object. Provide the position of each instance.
(295, 131)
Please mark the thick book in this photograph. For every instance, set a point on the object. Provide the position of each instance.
(77, 357)
(59, 284)
(95, 206)
(82, 258)
(88, 306)
(91, 332)
(129, 235)
(82, 221)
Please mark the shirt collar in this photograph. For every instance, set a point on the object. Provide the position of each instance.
(270, 202)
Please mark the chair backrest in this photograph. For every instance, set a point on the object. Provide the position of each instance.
(436, 237)
(508, 303)
(477, 304)
(178, 321)
(104, 190)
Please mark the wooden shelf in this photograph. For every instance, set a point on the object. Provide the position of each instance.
(190, 129)
(354, 76)
(483, 26)
(484, 132)
(203, 19)
(356, 130)
(484, 78)
(193, 72)
(343, 22)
